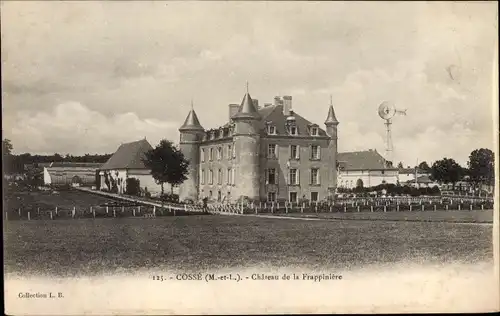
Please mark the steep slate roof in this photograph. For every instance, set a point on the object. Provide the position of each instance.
(247, 108)
(192, 122)
(331, 118)
(274, 114)
(128, 156)
(361, 160)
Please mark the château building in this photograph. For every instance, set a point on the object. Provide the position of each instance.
(261, 153)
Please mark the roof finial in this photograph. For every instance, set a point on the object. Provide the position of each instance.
(331, 100)
(192, 107)
(247, 86)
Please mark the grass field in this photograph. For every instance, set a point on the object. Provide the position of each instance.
(64, 199)
(476, 216)
(95, 246)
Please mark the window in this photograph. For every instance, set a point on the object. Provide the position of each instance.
(293, 130)
(229, 176)
(294, 152)
(219, 177)
(211, 154)
(271, 130)
(202, 155)
(232, 176)
(315, 152)
(272, 151)
(314, 176)
(294, 176)
(314, 196)
(202, 179)
(210, 176)
(219, 153)
(271, 196)
(271, 176)
(314, 131)
(229, 151)
(210, 194)
(293, 197)
(234, 151)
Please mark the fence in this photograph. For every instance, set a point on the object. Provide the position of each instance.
(129, 207)
(111, 210)
(365, 205)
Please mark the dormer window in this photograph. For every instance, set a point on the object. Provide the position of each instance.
(293, 130)
(314, 131)
(271, 130)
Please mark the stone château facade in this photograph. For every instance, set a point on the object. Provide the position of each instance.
(262, 153)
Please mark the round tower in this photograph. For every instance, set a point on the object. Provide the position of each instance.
(247, 144)
(191, 135)
(331, 124)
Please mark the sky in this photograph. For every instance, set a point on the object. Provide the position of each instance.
(84, 77)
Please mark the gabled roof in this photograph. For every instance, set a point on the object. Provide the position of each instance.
(362, 160)
(128, 156)
(274, 114)
(411, 170)
(74, 165)
(421, 179)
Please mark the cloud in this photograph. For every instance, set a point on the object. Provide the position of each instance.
(73, 128)
(152, 58)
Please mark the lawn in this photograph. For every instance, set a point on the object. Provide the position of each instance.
(95, 246)
(46, 200)
(475, 216)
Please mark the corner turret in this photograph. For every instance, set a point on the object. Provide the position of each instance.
(331, 124)
(247, 145)
(191, 135)
(331, 121)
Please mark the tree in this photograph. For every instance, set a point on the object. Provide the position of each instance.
(167, 164)
(400, 165)
(481, 166)
(446, 170)
(7, 147)
(7, 155)
(424, 166)
(359, 183)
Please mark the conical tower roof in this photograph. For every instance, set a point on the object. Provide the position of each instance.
(331, 119)
(247, 109)
(191, 123)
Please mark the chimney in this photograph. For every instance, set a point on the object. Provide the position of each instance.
(278, 101)
(287, 105)
(233, 109)
(256, 104)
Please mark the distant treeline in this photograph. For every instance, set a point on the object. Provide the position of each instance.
(16, 162)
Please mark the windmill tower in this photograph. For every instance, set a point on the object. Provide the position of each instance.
(387, 111)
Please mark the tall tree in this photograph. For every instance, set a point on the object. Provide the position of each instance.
(446, 170)
(7, 155)
(424, 166)
(167, 164)
(481, 166)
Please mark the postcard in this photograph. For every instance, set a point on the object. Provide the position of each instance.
(249, 157)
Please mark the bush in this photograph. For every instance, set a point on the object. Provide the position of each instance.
(133, 186)
(167, 197)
